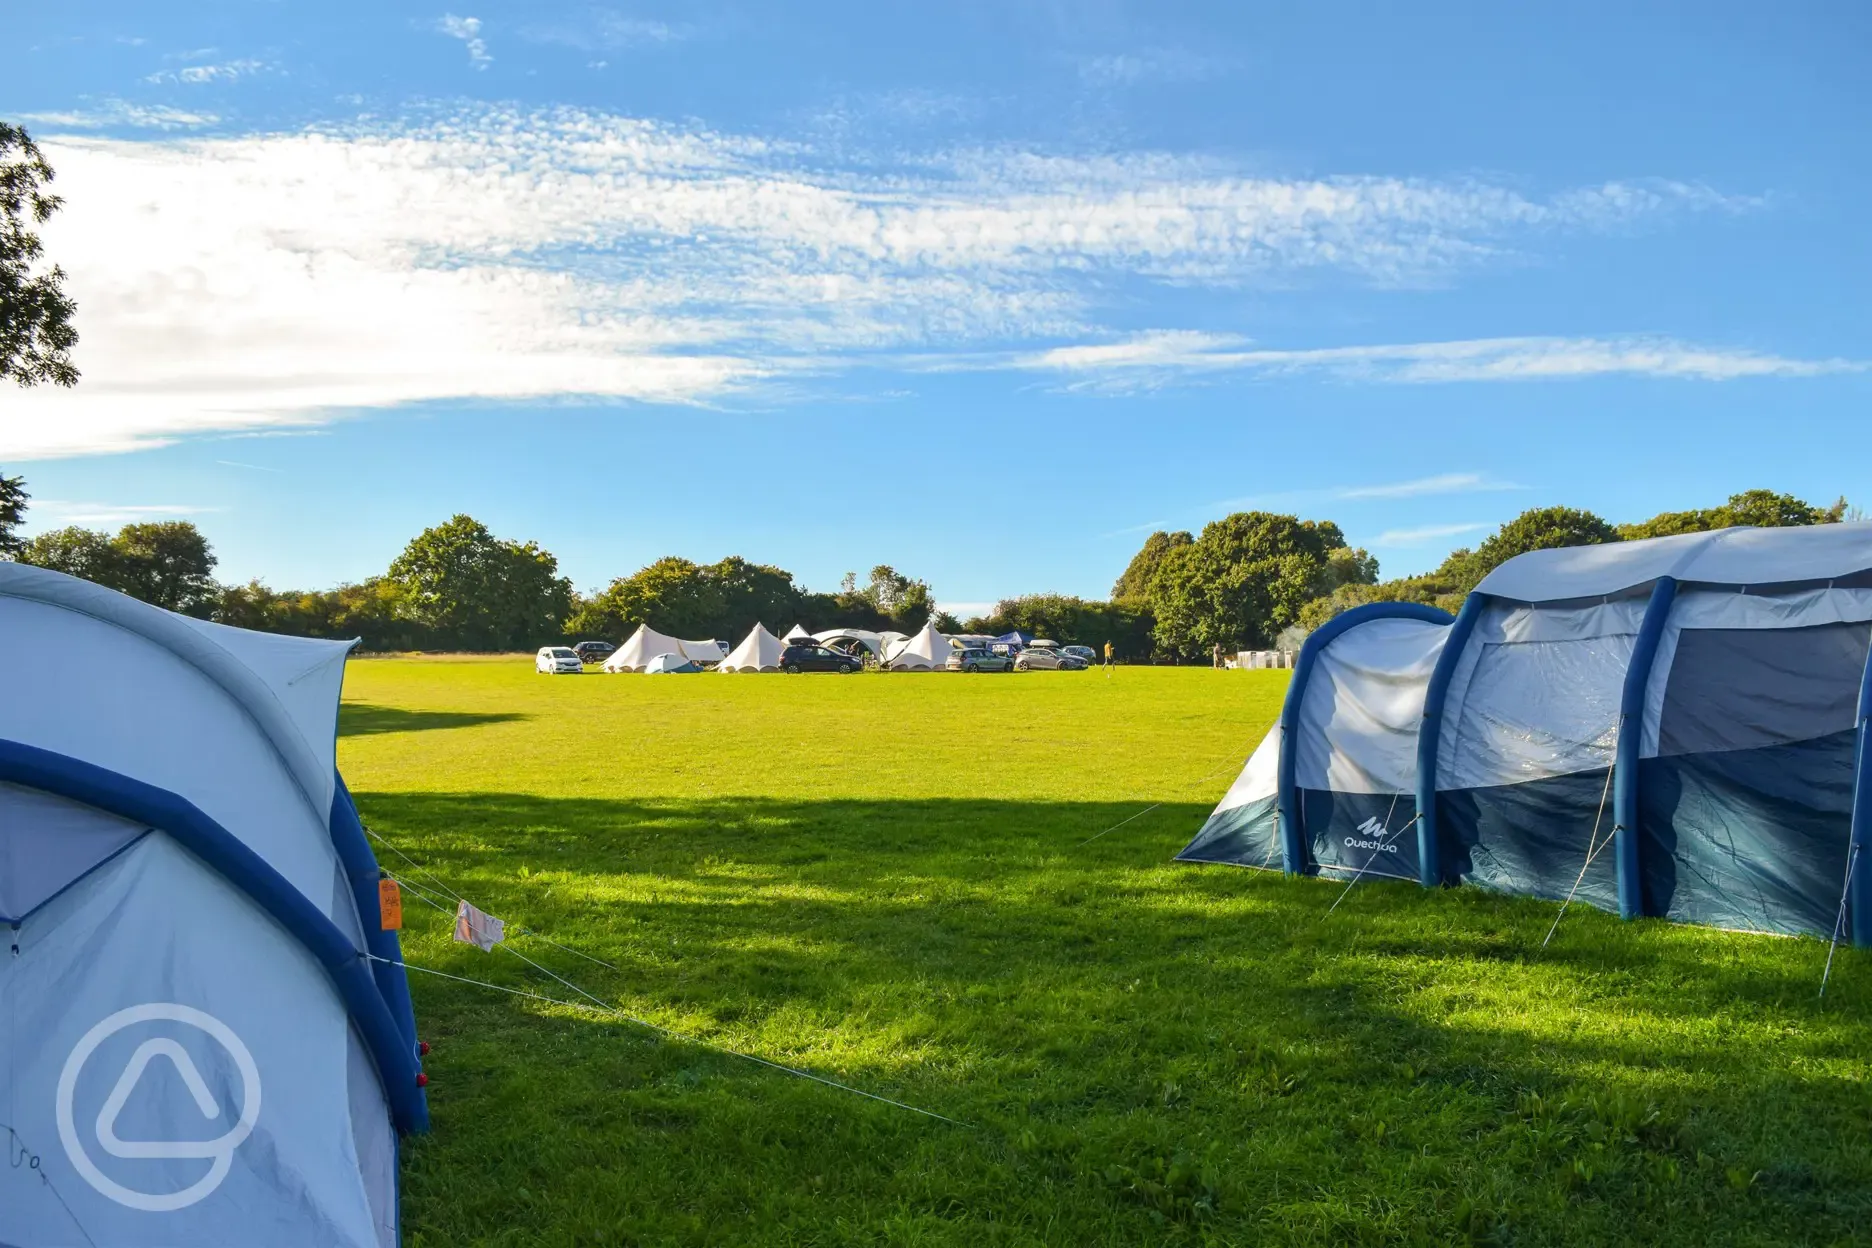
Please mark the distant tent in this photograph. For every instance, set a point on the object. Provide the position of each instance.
(1015, 638)
(670, 664)
(797, 633)
(646, 643)
(928, 651)
(1676, 727)
(759, 651)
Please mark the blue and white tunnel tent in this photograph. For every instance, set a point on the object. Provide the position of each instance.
(1332, 786)
(197, 1041)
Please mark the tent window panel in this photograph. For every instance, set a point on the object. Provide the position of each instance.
(1537, 709)
(1745, 688)
(47, 843)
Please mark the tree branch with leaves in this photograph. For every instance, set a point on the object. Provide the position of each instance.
(36, 331)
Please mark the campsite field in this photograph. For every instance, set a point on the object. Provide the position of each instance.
(883, 880)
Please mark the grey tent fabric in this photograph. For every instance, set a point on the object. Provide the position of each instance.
(47, 843)
(1745, 688)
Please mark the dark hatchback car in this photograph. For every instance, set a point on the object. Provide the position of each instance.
(816, 658)
(593, 651)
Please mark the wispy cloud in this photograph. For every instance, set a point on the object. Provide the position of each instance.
(468, 30)
(266, 282)
(195, 75)
(110, 113)
(51, 513)
(1153, 64)
(1158, 358)
(1425, 533)
(235, 463)
(1446, 483)
(606, 30)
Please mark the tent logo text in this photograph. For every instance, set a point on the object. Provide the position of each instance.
(218, 1152)
(1373, 829)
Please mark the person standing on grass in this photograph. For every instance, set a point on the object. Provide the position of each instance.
(1215, 658)
(1108, 658)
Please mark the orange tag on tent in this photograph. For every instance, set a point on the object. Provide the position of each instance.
(390, 905)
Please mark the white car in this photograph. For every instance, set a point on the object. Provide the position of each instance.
(558, 661)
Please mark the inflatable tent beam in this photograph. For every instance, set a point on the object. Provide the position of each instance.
(1859, 851)
(1428, 861)
(1287, 801)
(1625, 838)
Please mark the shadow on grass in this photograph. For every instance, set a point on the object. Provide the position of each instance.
(1151, 1050)
(362, 719)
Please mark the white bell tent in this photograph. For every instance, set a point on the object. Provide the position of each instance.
(759, 651)
(186, 879)
(797, 633)
(928, 651)
(646, 643)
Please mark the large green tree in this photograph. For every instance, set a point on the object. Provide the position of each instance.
(13, 499)
(475, 591)
(1763, 509)
(36, 332)
(1135, 582)
(167, 564)
(1072, 621)
(1243, 580)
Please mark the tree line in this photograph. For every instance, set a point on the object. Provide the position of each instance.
(1252, 580)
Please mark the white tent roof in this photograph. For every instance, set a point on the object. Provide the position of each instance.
(759, 651)
(646, 643)
(874, 642)
(797, 633)
(927, 650)
(1740, 556)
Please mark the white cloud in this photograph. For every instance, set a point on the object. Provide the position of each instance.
(1446, 483)
(1426, 533)
(604, 30)
(195, 75)
(108, 113)
(1159, 357)
(1153, 64)
(468, 30)
(266, 282)
(52, 513)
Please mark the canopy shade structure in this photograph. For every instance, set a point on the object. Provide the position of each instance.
(1674, 728)
(185, 878)
(928, 651)
(1015, 638)
(872, 642)
(646, 643)
(759, 651)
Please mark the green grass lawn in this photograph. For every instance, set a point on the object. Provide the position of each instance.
(881, 879)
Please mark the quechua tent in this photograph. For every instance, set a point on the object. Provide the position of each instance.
(1674, 727)
(208, 1033)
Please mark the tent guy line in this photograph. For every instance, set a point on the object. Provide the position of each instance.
(678, 1036)
(599, 1004)
(1154, 805)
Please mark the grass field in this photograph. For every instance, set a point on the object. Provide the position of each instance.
(883, 880)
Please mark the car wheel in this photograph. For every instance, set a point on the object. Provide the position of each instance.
(792, 669)
(846, 669)
(971, 667)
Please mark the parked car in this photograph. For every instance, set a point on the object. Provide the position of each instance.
(558, 661)
(1072, 662)
(1038, 659)
(1086, 653)
(977, 659)
(593, 651)
(816, 658)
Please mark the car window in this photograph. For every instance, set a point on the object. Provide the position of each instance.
(564, 654)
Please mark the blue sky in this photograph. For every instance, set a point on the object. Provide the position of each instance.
(985, 291)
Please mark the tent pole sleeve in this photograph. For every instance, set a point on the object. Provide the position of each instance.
(1293, 843)
(1859, 852)
(1430, 732)
(1625, 837)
